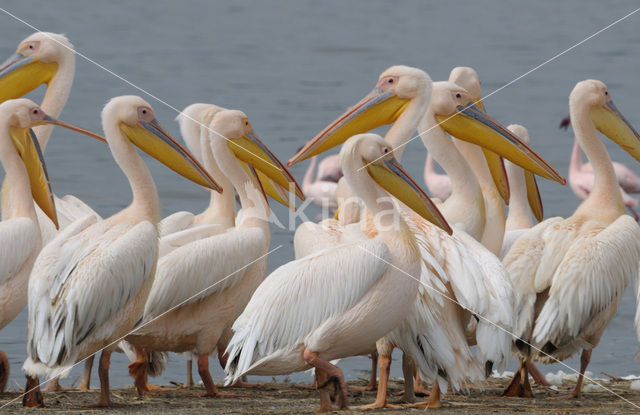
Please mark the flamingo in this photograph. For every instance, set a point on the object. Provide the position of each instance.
(570, 274)
(321, 187)
(28, 182)
(108, 262)
(344, 290)
(439, 185)
(203, 286)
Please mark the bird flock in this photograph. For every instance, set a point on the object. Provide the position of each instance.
(452, 281)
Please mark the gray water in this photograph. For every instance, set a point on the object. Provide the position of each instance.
(294, 66)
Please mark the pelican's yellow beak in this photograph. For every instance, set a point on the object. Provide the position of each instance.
(610, 122)
(272, 174)
(472, 124)
(21, 74)
(26, 144)
(269, 187)
(533, 195)
(151, 138)
(376, 109)
(496, 167)
(391, 177)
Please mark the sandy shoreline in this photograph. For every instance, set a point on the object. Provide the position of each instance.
(289, 398)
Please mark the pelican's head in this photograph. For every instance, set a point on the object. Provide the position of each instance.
(18, 116)
(370, 154)
(261, 165)
(133, 118)
(593, 96)
(468, 78)
(191, 120)
(453, 108)
(395, 89)
(35, 62)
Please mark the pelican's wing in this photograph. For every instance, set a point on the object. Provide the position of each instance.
(178, 221)
(523, 262)
(172, 241)
(299, 296)
(203, 267)
(495, 292)
(314, 237)
(510, 238)
(70, 209)
(81, 279)
(590, 279)
(18, 238)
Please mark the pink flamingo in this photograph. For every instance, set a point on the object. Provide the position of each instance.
(439, 185)
(321, 188)
(581, 176)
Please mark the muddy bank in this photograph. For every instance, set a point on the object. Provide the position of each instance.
(289, 398)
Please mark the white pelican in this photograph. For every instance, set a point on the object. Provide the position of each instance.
(524, 197)
(99, 273)
(45, 58)
(488, 167)
(203, 286)
(337, 302)
(570, 274)
(581, 179)
(28, 181)
(450, 263)
(439, 185)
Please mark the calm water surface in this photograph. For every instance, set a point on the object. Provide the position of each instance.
(294, 66)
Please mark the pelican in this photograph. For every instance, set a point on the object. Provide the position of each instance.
(627, 179)
(443, 256)
(351, 294)
(524, 199)
(45, 58)
(582, 177)
(439, 185)
(100, 271)
(570, 274)
(488, 167)
(203, 286)
(28, 182)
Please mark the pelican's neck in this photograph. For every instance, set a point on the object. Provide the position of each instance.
(255, 210)
(388, 220)
(576, 157)
(145, 204)
(403, 129)
(16, 189)
(519, 212)
(605, 198)
(309, 175)
(495, 214)
(56, 96)
(222, 206)
(466, 197)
